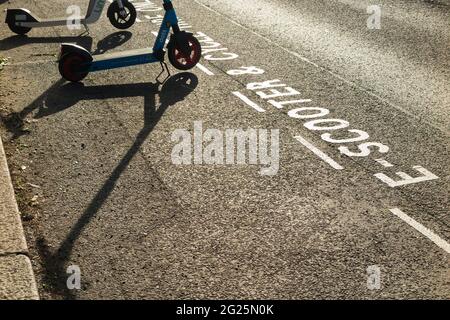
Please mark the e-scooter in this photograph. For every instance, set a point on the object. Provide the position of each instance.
(121, 14)
(184, 52)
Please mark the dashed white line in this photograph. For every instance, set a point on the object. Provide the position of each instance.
(204, 69)
(319, 153)
(248, 101)
(441, 243)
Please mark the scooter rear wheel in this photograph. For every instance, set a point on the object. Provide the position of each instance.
(179, 60)
(70, 66)
(119, 21)
(18, 29)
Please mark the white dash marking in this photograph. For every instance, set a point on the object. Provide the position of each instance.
(384, 163)
(248, 101)
(441, 243)
(138, 20)
(319, 153)
(205, 69)
(147, 17)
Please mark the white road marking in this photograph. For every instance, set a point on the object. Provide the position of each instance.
(204, 69)
(248, 101)
(324, 69)
(441, 243)
(319, 153)
(406, 178)
(384, 163)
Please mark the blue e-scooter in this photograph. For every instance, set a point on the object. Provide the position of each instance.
(184, 52)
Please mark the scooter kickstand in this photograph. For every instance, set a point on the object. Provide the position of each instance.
(86, 30)
(164, 67)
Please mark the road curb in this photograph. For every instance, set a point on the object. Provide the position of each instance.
(17, 279)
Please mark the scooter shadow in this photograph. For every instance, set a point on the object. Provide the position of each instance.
(174, 89)
(111, 41)
(20, 40)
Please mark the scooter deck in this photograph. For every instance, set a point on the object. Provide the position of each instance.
(53, 22)
(123, 54)
(122, 59)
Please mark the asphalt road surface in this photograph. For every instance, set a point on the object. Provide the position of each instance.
(98, 188)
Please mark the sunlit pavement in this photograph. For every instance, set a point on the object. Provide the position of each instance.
(351, 203)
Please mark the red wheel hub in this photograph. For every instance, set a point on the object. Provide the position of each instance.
(188, 60)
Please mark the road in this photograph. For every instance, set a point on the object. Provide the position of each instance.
(98, 188)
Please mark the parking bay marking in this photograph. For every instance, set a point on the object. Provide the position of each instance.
(248, 101)
(204, 69)
(419, 227)
(319, 153)
(441, 243)
(364, 148)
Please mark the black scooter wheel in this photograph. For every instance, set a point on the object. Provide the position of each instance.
(117, 19)
(181, 61)
(71, 66)
(18, 29)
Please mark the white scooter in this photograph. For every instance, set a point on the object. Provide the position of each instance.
(121, 14)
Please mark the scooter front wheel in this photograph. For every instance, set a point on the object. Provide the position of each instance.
(18, 29)
(182, 61)
(122, 19)
(71, 66)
